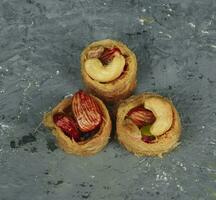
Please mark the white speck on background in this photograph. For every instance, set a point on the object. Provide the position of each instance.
(141, 21)
(140, 161)
(142, 188)
(162, 177)
(165, 176)
(153, 186)
(4, 126)
(92, 176)
(57, 72)
(205, 32)
(37, 127)
(192, 25)
(0, 67)
(26, 89)
(182, 165)
(180, 188)
(168, 15)
(36, 177)
(170, 9)
(146, 20)
(184, 168)
(6, 70)
(211, 142)
(37, 84)
(143, 10)
(203, 127)
(147, 164)
(213, 46)
(2, 91)
(104, 3)
(168, 35)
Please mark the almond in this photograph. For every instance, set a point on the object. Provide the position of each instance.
(67, 125)
(109, 54)
(86, 111)
(141, 116)
(96, 52)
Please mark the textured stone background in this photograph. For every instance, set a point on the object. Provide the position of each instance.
(40, 45)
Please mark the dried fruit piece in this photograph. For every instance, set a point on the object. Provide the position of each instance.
(88, 135)
(67, 125)
(109, 54)
(148, 138)
(146, 134)
(86, 111)
(141, 116)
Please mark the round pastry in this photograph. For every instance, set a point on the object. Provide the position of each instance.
(109, 69)
(148, 125)
(81, 124)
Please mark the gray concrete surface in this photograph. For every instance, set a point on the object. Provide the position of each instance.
(40, 45)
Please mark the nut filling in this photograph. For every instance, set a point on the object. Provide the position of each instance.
(148, 125)
(81, 120)
(105, 64)
(108, 70)
(153, 119)
(143, 119)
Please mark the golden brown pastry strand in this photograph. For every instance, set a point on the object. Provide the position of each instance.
(84, 148)
(130, 137)
(119, 88)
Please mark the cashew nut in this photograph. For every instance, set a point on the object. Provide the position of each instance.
(163, 114)
(95, 69)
